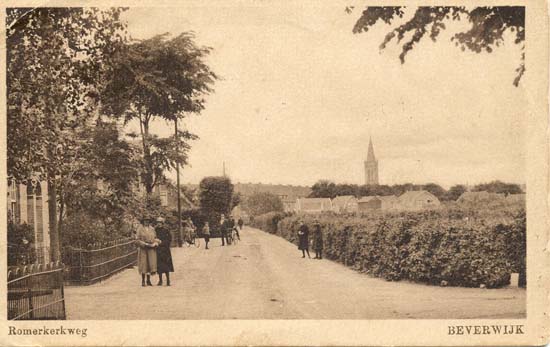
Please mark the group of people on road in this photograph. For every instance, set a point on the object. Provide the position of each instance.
(303, 239)
(228, 226)
(154, 256)
(153, 239)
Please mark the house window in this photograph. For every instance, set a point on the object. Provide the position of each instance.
(13, 214)
(30, 204)
(163, 196)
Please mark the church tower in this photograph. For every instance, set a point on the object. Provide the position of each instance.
(371, 167)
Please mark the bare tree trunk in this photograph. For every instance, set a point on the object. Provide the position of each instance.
(61, 211)
(148, 174)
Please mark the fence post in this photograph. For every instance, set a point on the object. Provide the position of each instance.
(64, 314)
(80, 269)
(31, 309)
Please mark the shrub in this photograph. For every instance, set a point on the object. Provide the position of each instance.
(20, 244)
(458, 247)
(268, 221)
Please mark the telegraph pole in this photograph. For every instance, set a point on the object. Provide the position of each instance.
(178, 182)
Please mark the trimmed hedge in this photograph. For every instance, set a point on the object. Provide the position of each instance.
(456, 247)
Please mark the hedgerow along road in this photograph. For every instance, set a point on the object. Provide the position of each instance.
(265, 277)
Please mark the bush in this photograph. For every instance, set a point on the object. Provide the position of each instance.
(457, 247)
(20, 244)
(268, 221)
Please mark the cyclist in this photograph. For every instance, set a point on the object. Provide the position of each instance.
(189, 230)
(235, 229)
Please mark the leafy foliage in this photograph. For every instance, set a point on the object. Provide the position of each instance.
(56, 60)
(488, 27)
(261, 203)
(498, 187)
(269, 221)
(455, 246)
(215, 197)
(327, 189)
(165, 79)
(455, 192)
(20, 244)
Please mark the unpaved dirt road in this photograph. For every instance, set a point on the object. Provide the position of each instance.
(265, 277)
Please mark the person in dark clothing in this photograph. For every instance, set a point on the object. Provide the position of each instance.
(317, 240)
(303, 240)
(164, 255)
(240, 222)
(224, 228)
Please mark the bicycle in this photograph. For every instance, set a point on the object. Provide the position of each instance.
(191, 239)
(234, 238)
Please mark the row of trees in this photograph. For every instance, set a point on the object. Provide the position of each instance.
(328, 189)
(75, 80)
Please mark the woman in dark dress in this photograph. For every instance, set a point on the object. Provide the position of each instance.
(317, 240)
(164, 255)
(303, 239)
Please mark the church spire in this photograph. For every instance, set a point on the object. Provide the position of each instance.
(371, 166)
(370, 154)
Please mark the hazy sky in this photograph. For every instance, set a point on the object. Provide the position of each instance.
(301, 95)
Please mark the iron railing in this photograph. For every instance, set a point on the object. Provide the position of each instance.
(98, 261)
(35, 292)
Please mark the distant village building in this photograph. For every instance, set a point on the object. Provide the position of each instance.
(28, 204)
(480, 197)
(167, 193)
(371, 166)
(313, 205)
(389, 202)
(369, 203)
(516, 198)
(418, 200)
(344, 203)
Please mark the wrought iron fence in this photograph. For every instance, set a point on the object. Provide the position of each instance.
(98, 261)
(35, 292)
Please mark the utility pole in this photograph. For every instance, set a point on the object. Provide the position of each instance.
(178, 183)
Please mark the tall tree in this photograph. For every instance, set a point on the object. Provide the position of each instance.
(56, 60)
(260, 203)
(436, 190)
(215, 196)
(160, 78)
(455, 192)
(498, 187)
(487, 31)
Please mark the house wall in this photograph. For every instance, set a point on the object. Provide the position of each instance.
(373, 204)
(33, 210)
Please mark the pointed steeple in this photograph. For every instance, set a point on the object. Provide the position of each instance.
(370, 154)
(371, 166)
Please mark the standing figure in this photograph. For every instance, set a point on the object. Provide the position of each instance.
(147, 256)
(240, 223)
(164, 255)
(224, 228)
(206, 233)
(317, 240)
(303, 239)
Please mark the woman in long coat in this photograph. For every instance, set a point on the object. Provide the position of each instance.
(164, 255)
(317, 240)
(147, 255)
(303, 240)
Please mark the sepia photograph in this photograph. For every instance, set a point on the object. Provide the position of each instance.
(256, 160)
